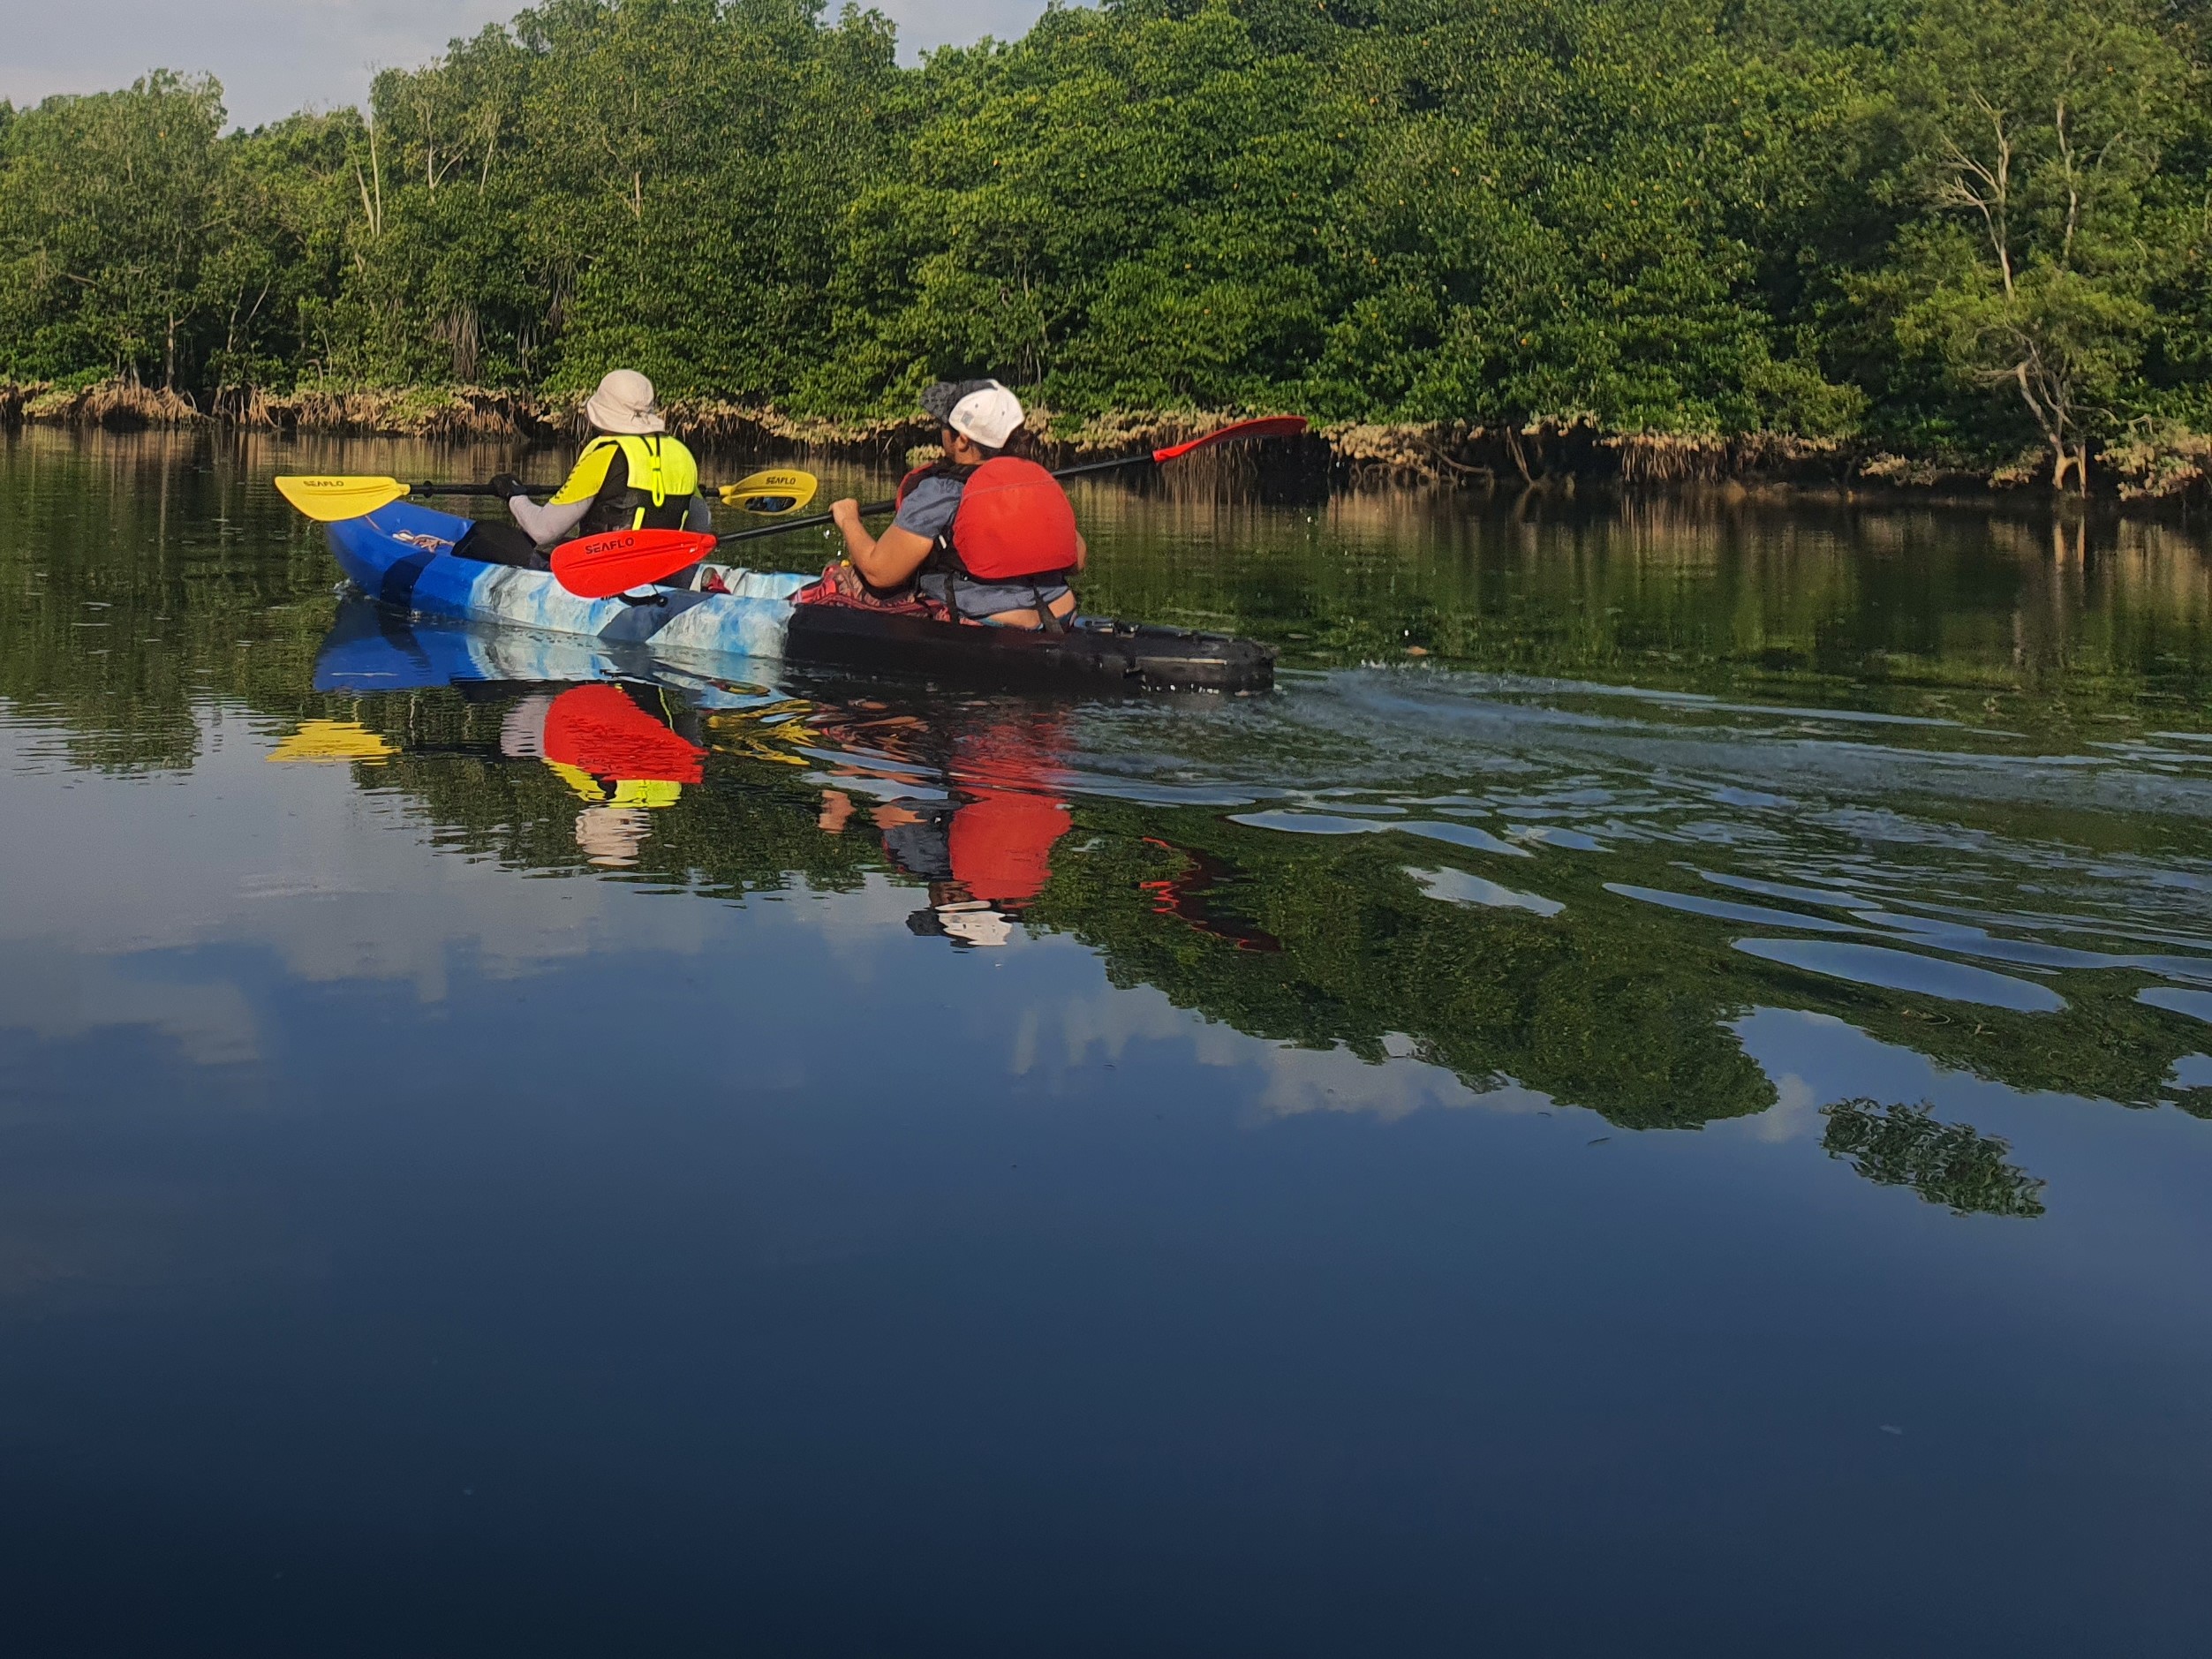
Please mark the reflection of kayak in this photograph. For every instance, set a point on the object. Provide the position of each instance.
(371, 649)
(402, 555)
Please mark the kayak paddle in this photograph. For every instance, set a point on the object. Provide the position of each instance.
(330, 500)
(633, 557)
(600, 567)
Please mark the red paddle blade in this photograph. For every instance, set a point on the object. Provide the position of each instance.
(1265, 426)
(600, 567)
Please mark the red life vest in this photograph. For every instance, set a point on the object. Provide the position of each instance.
(1013, 520)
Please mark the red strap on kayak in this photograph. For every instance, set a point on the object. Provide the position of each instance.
(600, 567)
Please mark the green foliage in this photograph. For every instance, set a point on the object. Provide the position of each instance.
(112, 209)
(1948, 1164)
(1959, 224)
(2034, 131)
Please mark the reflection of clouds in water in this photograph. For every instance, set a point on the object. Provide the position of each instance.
(298, 861)
(58, 997)
(1106, 1021)
(2191, 1071)
(1795, 1113)
(854, 923)
(1303, 1080)
(1457, 886)
(1101, 1026)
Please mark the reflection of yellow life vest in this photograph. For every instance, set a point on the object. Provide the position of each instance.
(655, 495)
(651, 792)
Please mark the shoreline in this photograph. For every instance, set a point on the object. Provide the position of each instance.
(1547, 457)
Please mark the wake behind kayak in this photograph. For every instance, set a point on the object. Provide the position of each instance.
(402, 554)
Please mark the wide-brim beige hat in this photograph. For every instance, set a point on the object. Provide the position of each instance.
(623, 404)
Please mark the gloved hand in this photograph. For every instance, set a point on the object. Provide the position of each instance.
(506, 485)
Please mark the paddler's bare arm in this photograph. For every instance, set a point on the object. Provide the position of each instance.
(885, 561)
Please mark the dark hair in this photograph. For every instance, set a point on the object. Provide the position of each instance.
(940, 399)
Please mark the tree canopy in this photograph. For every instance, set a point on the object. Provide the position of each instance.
(1968, 227)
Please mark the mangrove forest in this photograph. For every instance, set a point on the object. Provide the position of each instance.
(1962, 235)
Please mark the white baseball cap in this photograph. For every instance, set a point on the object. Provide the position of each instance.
(990, 415)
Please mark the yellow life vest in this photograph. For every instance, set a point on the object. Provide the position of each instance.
(655, 495)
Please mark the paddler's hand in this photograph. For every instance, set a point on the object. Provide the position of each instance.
(846, 515)
(506, 485)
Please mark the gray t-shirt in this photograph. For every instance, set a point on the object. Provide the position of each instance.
(929, 506)
(928, 512)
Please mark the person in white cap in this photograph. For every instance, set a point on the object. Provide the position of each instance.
(986, 534)
(630, 476)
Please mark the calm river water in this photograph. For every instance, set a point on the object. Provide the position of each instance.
(1652, 1098)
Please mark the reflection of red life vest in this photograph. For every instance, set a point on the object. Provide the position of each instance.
(1013, 520)
(1002, 844)
(598, 729)
(1001, 838)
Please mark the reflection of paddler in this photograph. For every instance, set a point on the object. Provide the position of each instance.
(987, 853)
(620, 760)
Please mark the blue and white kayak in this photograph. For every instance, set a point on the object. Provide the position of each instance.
(402, 555)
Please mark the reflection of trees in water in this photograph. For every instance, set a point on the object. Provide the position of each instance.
(1912, 608)
(210, 588)
(1619, 1006)
(1950, 1164)
(1361, 953)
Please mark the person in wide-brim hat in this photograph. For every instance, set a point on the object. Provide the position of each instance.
(630, 476)
(625, 403)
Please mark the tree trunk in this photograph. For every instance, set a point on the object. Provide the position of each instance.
(1521, 460)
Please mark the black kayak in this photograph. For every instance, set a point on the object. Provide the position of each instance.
(1093, 652)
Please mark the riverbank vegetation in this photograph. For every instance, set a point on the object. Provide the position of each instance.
(1903, 239)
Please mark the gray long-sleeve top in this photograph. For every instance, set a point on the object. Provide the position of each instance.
(547, 526)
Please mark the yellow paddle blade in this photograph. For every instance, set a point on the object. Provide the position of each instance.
(774, 492)
(328, 499)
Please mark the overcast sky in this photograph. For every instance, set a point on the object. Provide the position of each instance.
(274, 57)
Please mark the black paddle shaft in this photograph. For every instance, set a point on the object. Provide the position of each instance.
(528, 489)
(808, 523)
(869, 508)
